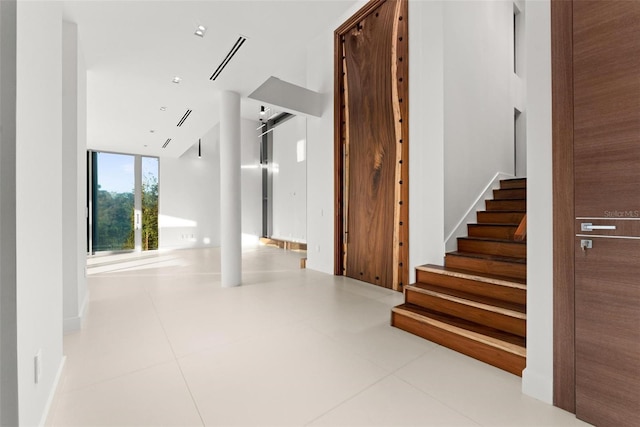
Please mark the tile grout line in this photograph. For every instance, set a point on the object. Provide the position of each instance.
(476, 422)
(348, 399)
(186, 383)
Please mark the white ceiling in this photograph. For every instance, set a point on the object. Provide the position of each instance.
(133, 49)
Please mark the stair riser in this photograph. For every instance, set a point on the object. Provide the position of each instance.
(488, 354)
(503, 293)
(464, 311)
(513, 183)
(498, 268)
(516, 250)
(506, 205)
(505, 232)
(510, 194)
(488, 217)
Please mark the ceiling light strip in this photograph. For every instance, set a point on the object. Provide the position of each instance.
(228, 58)
(166, 143)
(184, 117)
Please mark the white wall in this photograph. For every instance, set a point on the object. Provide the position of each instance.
(189, 211)
(38, 203)
(519, 89)
(426, 134)
(320, 203)
(537, 379)
(8, 315)
(190, 192)
(289, 199)
(74, 147)
(478, 105)
(81, 202)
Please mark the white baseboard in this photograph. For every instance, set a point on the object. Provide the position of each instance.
(52, 394)
(71, 324)
(74, 324)
(537, 386)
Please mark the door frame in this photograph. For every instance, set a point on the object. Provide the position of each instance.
(339, 150)
(564, 392)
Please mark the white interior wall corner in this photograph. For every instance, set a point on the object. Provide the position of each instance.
(538, 376)
(426, 135)
(289, 199)
(189, 202)
(478, 106)
(81, 175)
(38, 203)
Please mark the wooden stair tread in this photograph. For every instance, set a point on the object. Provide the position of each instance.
(493, 239)
(513, 183)
(488, 336)
(489, 257)
(476, 304)
(505, 205)
(495, 224)
(515, 211)
(510, 193)
(514, 310)
(506, 216)
(479, 277)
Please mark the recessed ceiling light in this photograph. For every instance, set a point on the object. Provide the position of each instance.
(176, 80)
(163, 108)
(200, 31)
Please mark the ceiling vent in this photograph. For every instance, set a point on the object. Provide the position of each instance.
(166, 143)
(185, 117)
(227, 59)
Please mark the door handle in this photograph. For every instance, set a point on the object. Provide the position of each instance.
(587, 226)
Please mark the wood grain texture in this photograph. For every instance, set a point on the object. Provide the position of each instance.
(371, 145)
(608, 333)
(489, 346)
(513, 183)
(497, 217)
(606, 84)
(491, 287)
(495, 304)
(521, 231)
(496, 231)
(487, 264)
(623, 228)
(563, 209)
(465, 306)
(510, 193)
(492, 247)
(506, 205)
(606, 61)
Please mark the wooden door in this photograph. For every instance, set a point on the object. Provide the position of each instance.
(606, 76)
(372, 145)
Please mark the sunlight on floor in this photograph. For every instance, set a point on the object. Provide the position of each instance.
(163, 344)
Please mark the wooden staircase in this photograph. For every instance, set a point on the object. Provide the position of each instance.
(476, 303)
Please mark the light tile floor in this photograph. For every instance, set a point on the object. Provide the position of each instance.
(164, 344)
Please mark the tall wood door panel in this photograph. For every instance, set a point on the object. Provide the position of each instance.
(606, 73)
(372, 144)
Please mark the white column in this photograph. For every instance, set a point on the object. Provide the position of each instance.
(230, 196)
